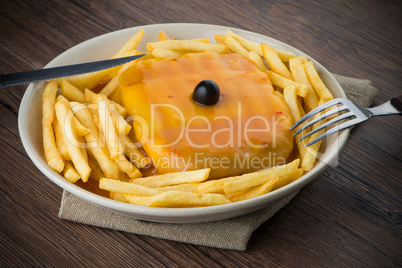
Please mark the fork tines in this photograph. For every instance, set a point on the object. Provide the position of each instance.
(335, 108)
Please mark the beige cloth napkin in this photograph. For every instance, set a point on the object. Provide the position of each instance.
(231, 233)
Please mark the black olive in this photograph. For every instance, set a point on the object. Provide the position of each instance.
(206, 93)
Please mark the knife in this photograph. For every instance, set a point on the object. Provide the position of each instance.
(62, 71)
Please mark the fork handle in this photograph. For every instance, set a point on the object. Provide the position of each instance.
(397, 103)
(393, 106)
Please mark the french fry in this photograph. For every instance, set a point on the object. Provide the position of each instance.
(110, 87)
(127, 167)
(113, 143)
(256, 191)
(291, 100)
(120, 197)
(108, 129)
(96, 170)
(121, 125)
(173, 178)
(60, 142)
(279, 94)
(111, 105)
(232, 195)
(90, 80)
(162, 36)
(124, 177)
(261, 177)
(282, 82)
(95, 146)
(312, 151)
(254, 57)
(310, 100)
(83, 148)
(135, 199)
(256, 47)
(214, 186)
(70, 173)
(127, 188)
(185, 187)
(311, 155)
(299, 105)
(165, 53)
(71, 92)
(130, 45)
(89, 96)
(285, 180)
(135, 154)
(219, 38)
(300, 76)
(186, 199)
(174, 199)
(224, 185)
(79, 129)
(284, 55)
(65, 115)
(52, 154)
(162, 44)
(190, 45)
(235, 46)
(315, 80)
(303, 59)
(275, 62)
(93, 108)
(102, 141)
(249, 45)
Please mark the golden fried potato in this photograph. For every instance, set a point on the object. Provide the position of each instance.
(52, 154)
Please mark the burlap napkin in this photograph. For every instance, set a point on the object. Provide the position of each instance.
(217, 234)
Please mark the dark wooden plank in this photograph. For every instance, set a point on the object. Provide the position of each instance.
(350, 216)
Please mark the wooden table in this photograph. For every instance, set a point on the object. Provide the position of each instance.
(350, 216)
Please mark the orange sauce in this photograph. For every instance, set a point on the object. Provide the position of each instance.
(93, 186)
(97, 88)
(246, 130)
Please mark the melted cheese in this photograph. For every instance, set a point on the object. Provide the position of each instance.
(246, 130)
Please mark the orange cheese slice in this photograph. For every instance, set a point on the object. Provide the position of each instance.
(248, 129)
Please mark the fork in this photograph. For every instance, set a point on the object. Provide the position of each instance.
(355, 113)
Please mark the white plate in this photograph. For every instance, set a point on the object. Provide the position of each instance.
(104, 46)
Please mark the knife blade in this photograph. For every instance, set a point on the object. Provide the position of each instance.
(12, 79)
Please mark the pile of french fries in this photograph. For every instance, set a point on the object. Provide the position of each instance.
(86, 135)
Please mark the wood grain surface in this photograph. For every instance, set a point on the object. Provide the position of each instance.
(349, 217)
